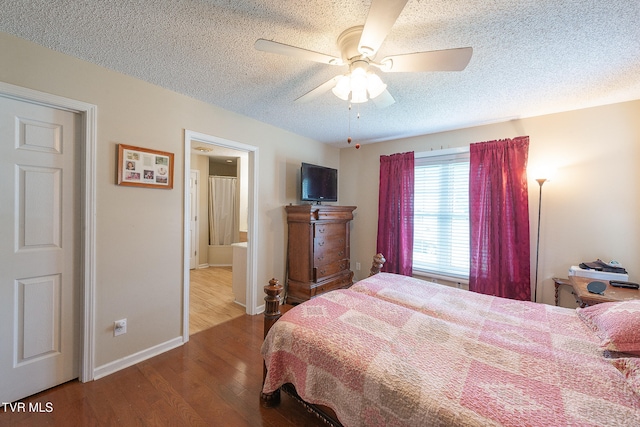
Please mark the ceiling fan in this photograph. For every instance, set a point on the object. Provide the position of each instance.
(359, 46)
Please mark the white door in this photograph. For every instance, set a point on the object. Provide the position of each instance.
(39, 248)
(194, 181)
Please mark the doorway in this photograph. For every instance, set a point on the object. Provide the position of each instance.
(206, 143)
(218, 203)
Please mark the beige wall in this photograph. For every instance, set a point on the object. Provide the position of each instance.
(139, 236)
(590, 210)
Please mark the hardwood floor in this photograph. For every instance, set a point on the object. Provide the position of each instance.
(211, 298)
(214, 379)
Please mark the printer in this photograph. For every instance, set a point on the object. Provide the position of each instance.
(599, 270)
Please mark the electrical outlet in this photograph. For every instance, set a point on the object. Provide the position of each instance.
(357, 266)
(119, 327)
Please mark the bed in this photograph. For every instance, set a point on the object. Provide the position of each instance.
(399, 351)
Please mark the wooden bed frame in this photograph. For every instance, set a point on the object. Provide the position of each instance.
(272, 312)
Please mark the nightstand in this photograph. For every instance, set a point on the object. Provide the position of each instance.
(558, 281)
(611, 293)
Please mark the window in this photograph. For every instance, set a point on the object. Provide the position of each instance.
(441, 214)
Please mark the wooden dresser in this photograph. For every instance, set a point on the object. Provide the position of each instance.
(318, 254)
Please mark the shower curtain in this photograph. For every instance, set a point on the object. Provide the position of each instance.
(223, 211)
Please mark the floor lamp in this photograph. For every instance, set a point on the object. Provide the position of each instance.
(535, 289)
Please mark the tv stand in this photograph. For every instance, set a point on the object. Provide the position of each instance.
(319, 250)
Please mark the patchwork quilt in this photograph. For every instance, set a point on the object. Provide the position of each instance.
(398, 351)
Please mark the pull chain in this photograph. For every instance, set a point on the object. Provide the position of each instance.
(349, 130)
(358, 125)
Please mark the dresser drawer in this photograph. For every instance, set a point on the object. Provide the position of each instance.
(329, 242)
(342, 281)
(328, 254)
(323, 229)
(328, 270)
(332, 243)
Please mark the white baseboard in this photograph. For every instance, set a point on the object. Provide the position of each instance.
(125, 362)
(201, 266)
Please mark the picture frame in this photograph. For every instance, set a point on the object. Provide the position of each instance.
(144, 167)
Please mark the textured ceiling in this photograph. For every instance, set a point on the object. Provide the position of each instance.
(530, 57)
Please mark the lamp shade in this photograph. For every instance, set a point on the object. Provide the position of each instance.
(343, 87)
(375, 86)
(359, 86)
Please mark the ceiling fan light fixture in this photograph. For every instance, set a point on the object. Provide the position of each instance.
(359, 46)
(359, 96)
(343, 87)
(375, 86)
(359, 85)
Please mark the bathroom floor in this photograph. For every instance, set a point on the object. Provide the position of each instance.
(211, 298)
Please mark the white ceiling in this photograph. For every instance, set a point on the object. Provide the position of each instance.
(530, 57)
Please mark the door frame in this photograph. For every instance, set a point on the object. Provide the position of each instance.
(87, 229)
(252, 220)
(197, 204)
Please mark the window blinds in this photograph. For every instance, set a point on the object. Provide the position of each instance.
(441, 214)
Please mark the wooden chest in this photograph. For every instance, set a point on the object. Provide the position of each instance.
(318, 250)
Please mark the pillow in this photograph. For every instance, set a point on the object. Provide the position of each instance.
(617, 324)
(630, 368)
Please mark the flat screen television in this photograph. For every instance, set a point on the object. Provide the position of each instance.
(318, 183)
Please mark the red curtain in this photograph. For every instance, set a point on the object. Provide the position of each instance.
(395, 213)
(499, 219)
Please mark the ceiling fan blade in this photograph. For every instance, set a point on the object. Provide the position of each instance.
(435, 60)
(296, 52)
(382, 15)
(314, 93)
(383, 100)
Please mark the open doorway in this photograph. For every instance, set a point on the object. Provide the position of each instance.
(218, 218)
(212, 265)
